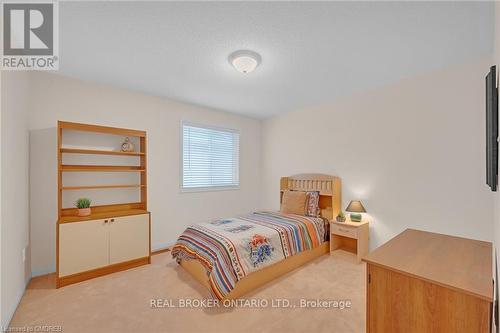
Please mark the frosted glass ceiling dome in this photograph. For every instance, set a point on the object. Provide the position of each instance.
(245, 61)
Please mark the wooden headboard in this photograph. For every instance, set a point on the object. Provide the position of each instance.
(329, 188)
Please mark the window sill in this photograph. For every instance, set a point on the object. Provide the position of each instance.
(209, 189)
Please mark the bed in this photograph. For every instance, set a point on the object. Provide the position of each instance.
(233, 256)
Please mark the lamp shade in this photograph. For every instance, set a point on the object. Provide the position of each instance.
(356, 206)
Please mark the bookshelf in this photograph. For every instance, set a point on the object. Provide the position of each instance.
(64, 168)
(115, 236)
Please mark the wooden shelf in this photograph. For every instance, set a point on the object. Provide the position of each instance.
(102, 215)
(96, 187)
(70, 211)
(100, 129)
(101, 168)
(140, 168)
(99, 152)
(127, 227)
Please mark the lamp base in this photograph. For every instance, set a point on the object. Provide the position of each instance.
(355, 217)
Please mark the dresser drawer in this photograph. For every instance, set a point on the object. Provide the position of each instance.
(346, 231)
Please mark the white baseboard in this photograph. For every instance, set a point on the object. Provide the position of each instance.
(43, 272)
(162, 246)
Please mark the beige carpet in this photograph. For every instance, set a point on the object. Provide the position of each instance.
(120, 302)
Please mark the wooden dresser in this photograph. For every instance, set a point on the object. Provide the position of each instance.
(427, 282)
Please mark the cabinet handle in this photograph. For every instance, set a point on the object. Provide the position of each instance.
(112, 220)
(105, 221)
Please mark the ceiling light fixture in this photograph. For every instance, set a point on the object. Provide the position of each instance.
(245, 61)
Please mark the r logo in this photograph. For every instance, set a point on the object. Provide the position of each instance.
(28, 29)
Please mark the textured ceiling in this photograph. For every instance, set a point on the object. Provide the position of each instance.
(312, 52)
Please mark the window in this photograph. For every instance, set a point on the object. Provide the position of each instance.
(210, 157)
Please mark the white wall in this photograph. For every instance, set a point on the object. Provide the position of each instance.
(60, 98)
(413, 152)
(14, 193)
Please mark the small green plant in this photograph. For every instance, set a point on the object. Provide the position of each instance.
(340, 217)
(83, 203)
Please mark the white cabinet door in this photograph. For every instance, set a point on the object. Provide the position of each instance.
(128, 238)
(83, 246)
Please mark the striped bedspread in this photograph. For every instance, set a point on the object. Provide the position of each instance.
(232, 248)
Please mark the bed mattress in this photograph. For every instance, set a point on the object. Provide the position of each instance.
(232, 248)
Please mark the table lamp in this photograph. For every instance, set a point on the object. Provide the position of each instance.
(355, 208)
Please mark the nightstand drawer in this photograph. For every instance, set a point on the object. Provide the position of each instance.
(344, 231)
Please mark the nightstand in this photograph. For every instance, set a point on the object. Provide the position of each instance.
(350, 236)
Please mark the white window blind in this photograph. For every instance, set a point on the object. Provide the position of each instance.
(210, 157)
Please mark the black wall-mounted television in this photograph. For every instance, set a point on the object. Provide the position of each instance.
(492, 129)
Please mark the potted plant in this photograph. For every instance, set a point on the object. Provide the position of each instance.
(83, 205)
(341, 217)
